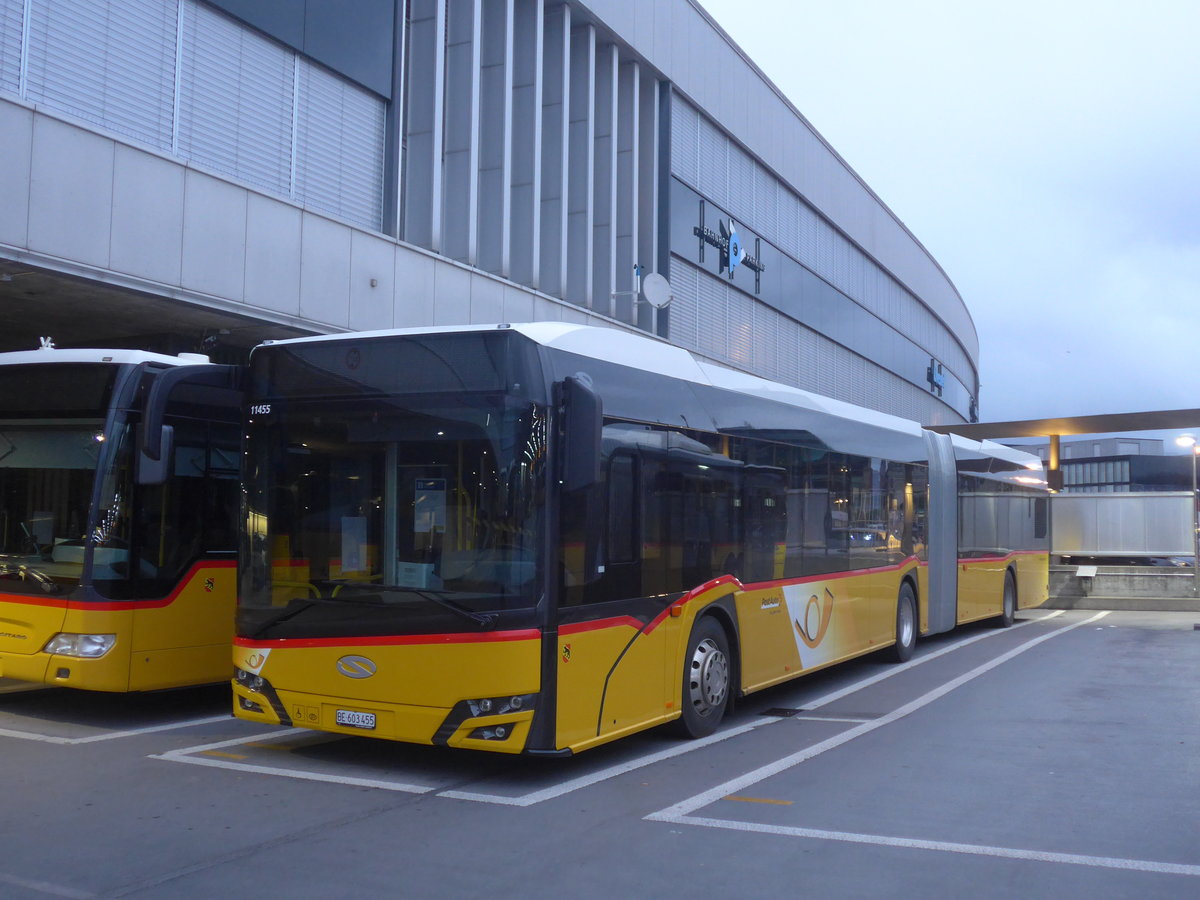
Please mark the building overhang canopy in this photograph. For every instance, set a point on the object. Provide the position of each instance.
(1151, 420)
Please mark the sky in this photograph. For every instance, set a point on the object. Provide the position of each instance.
(1047, 154)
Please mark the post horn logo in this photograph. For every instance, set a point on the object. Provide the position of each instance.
(816, 620)
(356, 667)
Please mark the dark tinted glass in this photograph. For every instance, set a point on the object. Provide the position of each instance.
(56, 390)
(436, 364)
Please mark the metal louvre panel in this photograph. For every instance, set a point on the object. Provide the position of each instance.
(110, 63)
(339, 147)
(741, 186)
(12, 25)
(684, 321)
(713, 177)
(767, 205)
(810, 231)
(825, 379)
(739, 325)
(767, 326)
(237, 101)
(788, 220)
(685, 141)
(791, 358)
(808, 358)
(712, 314)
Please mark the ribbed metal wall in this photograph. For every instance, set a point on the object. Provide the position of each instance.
(523, 139)
(715, 319)
(704, 157)
(531, 143)
(12, 14)
(179, 77)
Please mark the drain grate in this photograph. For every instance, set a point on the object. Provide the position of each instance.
(780, 712)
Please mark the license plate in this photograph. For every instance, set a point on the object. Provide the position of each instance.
(355, 719)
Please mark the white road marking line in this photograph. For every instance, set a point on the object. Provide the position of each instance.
(208, 720)
(276, 735)
(45, 887)
(913, 663)
(807, 718)
(109, 735)
(187, 755)
(584, 781)
(738, 785)
(303, 775)
(1074, 859)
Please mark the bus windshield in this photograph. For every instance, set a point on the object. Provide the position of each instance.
(401, 514)
(47, 470)
(52, 420)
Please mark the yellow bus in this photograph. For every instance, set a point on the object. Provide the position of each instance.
(119, 494)
(539, 538)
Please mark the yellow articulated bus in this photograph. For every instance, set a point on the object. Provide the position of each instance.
(539, 538)
(119, 494)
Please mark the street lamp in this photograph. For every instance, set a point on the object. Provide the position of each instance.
(1189, 440)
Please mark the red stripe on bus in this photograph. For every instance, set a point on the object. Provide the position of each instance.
(112, 605)
(526, 634)
(834, 576)
(600, 624)
(964, 560)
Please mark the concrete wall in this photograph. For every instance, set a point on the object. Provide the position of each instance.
(76, 200)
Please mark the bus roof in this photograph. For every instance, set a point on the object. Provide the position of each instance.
(90, 355)
(650, 354)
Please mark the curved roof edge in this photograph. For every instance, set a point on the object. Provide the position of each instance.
(681, 40)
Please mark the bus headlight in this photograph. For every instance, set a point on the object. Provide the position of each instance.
(499, 706)
(84, 646)
(249, 680)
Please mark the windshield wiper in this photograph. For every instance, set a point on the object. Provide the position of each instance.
(483, 620)
(286, 613)
(25, 573)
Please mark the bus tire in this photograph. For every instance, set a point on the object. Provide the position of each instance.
(1008, 607)
(707, 674)
(906, 624)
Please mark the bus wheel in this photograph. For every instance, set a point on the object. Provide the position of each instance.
(1008, 611)
(706, 677)
(906, 624)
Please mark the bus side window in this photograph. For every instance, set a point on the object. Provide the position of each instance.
(622, 542)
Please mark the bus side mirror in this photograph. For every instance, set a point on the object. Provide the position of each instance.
(583, 424)
(583, 509)
(152, 469)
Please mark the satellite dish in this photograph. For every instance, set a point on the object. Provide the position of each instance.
(656, 290)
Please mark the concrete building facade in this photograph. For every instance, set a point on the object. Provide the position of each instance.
(179, 174)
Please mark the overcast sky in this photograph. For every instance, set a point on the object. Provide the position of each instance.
(1048, 156)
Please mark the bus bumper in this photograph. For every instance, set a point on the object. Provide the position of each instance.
(495, 724)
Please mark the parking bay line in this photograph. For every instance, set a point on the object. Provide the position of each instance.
(680, 813)
(683, 808)
(45, 887)
(110, 735)
(692, 746)
(187, 755)
(1075, 859)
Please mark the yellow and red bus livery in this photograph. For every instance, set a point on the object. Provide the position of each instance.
(540, 538)
(118, 502)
